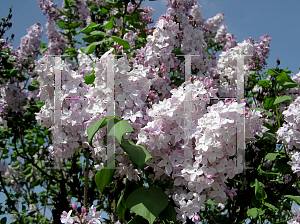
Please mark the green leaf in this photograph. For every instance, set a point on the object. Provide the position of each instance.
(110, 24)
(271, 207)
(294, 198)
(147, 202)
(268, 104)
(90, 49)
(76, 25)
(283, 77)
(264, 83)
(99, 34)
(252, 212)
(137, 220)
(61, 24)
(88, 29)
(103, 178)
(89, 39)
(260, 193)
(28, 176)
(169, 213)
(282, 99)
(269, 136)
(89, 79)
(121, 42)
(272, 72)
(121, 207)
(91, 131)
(138, 153)
(121, 127)
(271, 156)
(289, 85)
(103, 11)
(61, 12)
(27, 170)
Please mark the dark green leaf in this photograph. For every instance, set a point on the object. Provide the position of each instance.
(103, 178)
(3, 220)
(76, 25)
(260, 193)
(268, 104)
(138, 153)
(271, 207)
(89, 79)
(147, 202)
(169, 213)
(121, 207)
(90, 49)
(89, 39)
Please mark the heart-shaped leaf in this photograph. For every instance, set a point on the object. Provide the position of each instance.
(120, 127)
(138, 153)
(147, 202)
(282, 99)
(103, 178)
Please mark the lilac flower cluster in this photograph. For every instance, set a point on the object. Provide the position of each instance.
(83, 218)
(49, 8)
(30, 45)
(289, 133)
(57, 41)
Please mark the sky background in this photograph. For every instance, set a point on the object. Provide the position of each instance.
(244, 19)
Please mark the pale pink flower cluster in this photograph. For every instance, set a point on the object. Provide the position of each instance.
(289, 133)
(49, 8)
(57, 41)
(92, 218)
(30, 44)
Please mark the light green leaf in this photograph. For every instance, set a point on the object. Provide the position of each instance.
(138, 153)
(252, 212)
(99, 33)
(264, 83)
(271, 156)
(147, 202)
(282, 99)
(121, 127)
(294, 198)
(121, 42)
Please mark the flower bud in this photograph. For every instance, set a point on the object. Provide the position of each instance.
(83, 210)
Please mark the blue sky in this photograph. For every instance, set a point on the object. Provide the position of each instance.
(244, 19)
